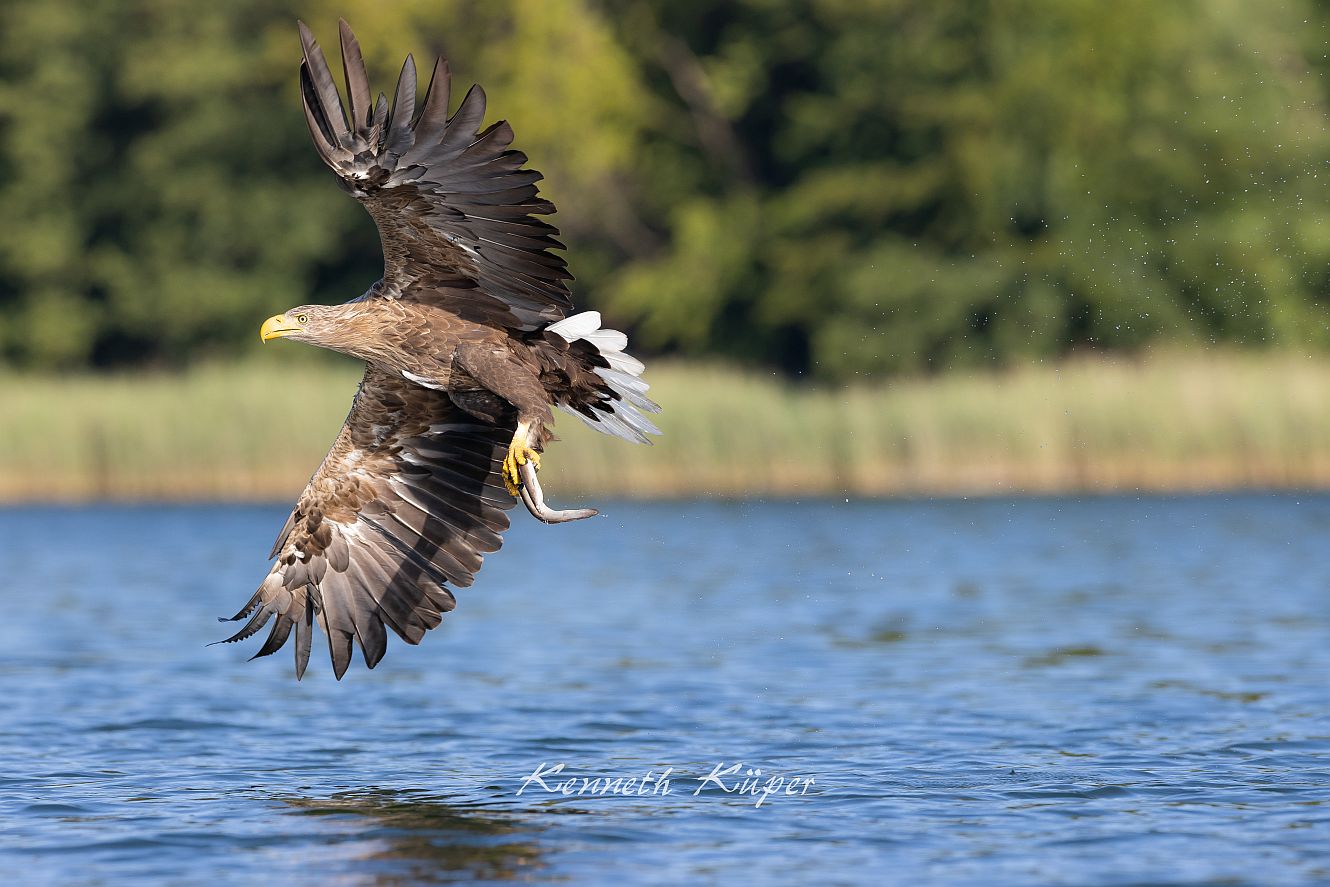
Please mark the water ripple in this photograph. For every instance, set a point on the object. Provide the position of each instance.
(1109, 691)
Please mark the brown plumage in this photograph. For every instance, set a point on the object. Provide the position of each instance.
(468, 344)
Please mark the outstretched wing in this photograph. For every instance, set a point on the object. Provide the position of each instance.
(406, 502)
(455, 210)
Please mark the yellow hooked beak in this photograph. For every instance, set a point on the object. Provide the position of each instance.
(277, 326)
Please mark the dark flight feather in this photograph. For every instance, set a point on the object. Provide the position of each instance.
(281, 630)
(357, 83)
(405, 503)
(433, 185)
(304, 637)
(324, 91)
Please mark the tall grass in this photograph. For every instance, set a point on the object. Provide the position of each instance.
(256, 431)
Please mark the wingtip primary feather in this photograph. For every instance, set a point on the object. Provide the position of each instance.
(276, 639)
(304, 628)
(400, 133)
(245, 610)
(472, 106)
(341, 653)
(434, 112)
(322, 87)
(250, 628)
(355, 75)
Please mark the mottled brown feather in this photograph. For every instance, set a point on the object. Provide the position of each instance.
(359, 552)
(451, 203)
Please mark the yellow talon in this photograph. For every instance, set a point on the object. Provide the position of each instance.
(518, 454)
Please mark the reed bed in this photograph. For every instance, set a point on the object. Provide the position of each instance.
(1192, 421)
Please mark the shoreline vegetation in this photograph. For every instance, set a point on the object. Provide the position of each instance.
(1164, 422)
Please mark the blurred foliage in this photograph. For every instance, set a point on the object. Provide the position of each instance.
(834, 187)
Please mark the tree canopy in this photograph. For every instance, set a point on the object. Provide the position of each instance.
(833, 187)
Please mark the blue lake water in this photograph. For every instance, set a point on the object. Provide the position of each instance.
(1042, 691)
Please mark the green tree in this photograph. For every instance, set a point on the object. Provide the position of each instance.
(918, 185)
(835, 187)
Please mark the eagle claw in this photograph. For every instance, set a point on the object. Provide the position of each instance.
(519, 454)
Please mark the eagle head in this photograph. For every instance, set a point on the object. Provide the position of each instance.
(306, 323)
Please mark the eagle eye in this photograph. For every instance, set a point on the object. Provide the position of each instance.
(302, 318)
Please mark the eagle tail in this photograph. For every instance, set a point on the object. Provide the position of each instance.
(619, 411)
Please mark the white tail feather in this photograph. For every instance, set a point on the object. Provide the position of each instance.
(620, 417)
(576, 326)
(624, 363)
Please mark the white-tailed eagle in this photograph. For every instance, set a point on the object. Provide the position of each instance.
(469, 340)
